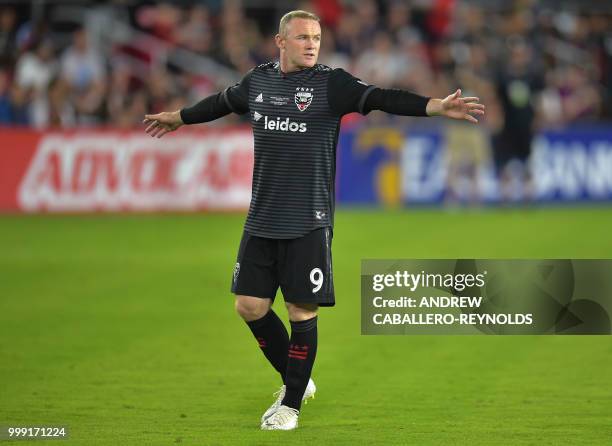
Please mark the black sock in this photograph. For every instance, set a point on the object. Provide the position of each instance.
(302, 352)
(273, 340)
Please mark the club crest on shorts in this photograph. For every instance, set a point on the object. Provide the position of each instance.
(303, 97)
(236, 270)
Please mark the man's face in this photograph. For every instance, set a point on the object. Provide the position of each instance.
(301, 42)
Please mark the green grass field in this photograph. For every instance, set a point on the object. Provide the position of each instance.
(123, 329)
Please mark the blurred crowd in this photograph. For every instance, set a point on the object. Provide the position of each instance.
(532, 65)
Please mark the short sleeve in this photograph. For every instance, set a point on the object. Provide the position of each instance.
(346, 93)
(237, 96)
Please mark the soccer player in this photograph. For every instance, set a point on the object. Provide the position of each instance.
(295, 107)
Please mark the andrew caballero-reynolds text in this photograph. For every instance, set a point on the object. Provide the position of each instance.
(453, 282)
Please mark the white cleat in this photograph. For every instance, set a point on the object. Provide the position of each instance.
(280, 394)
(285, 418)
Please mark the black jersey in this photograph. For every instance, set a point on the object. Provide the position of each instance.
(296, 120)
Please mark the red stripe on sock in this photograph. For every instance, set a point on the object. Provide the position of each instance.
(299, 352)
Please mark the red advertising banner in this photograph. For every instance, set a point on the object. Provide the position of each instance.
(83, 171)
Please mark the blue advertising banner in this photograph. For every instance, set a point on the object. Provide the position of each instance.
(391, 166)
(368, 165)
(573, 165)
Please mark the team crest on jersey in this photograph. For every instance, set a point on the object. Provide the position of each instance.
(303, 97)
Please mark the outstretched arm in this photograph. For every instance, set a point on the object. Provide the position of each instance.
(348, 94)
(402, 102)
(232, 99)
(208, 109)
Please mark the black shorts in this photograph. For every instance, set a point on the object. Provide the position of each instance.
(302, 267)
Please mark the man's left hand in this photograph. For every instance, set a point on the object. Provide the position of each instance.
(456, 107)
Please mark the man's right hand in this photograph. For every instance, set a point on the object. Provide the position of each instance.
(162, 123)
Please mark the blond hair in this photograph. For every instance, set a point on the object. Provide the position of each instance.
(297, 14)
